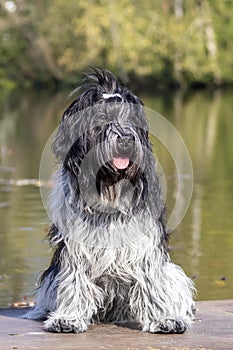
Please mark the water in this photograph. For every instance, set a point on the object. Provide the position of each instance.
(202, 244)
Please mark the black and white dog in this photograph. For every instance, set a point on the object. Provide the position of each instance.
(111, 261)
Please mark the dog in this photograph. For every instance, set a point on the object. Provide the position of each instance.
(111, 262)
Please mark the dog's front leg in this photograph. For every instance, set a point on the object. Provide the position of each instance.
(76, 301)
(67, 296)
(163, 302)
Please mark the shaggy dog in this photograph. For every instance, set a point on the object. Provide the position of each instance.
(111, 261)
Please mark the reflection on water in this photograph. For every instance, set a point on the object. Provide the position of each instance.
(203, 242)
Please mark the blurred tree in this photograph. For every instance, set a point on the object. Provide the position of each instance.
(223, 23)
(173, 41)
(26, 55)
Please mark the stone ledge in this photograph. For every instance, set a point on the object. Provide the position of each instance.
(211, 330)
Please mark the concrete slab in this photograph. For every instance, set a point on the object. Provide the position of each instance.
(212, 330)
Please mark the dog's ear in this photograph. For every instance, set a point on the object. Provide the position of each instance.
(60, 141)
(63, 138)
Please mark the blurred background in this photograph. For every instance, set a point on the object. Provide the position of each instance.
(177, 55)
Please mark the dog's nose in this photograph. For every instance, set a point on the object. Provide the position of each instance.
(125, 146)
(125, 141)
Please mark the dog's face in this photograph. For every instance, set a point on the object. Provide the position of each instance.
(103, 145)
(104, 151)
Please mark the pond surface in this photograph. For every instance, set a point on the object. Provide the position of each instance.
(202, 244)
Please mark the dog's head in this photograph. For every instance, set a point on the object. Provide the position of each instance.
(102, 143)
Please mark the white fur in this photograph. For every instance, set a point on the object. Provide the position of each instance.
(134, 275)
(106, 96)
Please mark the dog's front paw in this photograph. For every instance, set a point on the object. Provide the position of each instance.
(167, 326)
(62, 325)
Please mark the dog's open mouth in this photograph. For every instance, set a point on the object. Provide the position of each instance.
(121, 162)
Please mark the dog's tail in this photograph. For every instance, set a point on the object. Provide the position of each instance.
(34, 313)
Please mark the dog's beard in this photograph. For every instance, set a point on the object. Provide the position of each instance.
(110, 176)
(118, 189)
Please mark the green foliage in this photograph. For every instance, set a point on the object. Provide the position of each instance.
(182, 42)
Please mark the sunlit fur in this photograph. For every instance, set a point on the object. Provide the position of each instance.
(110, 262)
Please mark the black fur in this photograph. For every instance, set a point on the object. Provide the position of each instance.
(111, 260)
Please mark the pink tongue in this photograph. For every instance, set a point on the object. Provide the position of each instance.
(121, 163)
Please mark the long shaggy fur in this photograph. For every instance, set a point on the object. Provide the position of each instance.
(111, 261)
